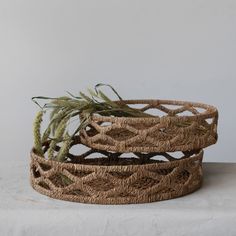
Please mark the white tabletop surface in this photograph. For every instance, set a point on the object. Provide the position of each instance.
(209, 211)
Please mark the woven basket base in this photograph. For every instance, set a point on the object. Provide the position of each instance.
(123, 182)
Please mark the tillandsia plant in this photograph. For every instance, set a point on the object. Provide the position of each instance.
(63, 109)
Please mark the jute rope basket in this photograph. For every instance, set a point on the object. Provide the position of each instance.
(103, 177)
(173, 130)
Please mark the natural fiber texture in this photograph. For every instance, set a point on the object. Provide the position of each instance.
(174, 131)
(114, 179)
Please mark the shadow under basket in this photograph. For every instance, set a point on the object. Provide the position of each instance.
(110, 178)
(173, 126)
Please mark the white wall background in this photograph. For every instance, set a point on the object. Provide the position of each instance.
(183, 49)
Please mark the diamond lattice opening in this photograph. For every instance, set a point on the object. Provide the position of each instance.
(100, 184)
(156, 112)
(120, 134)
(45, 167)
(36, 173)
(182, 177)
(60, 180)
(144, 183)
(44, 185)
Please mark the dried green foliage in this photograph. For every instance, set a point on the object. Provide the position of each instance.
(63, 109)
(61, 156)
(65, 180)
(46, 135)
(59, 133)
(37, 133)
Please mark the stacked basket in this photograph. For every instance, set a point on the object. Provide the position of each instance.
(132, 160)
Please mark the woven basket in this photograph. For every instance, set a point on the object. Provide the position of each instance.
(182, 126)
(109, 178)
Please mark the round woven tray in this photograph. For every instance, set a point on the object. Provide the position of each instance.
(181, 126)
(108, 178)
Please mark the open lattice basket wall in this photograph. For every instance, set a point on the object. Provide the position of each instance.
(110, 178)
(177, 126)
(132, 160)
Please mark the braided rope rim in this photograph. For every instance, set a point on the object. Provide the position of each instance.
(157, 134)
(116, 184)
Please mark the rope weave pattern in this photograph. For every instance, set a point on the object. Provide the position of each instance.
(174, 131)
(113, 179)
